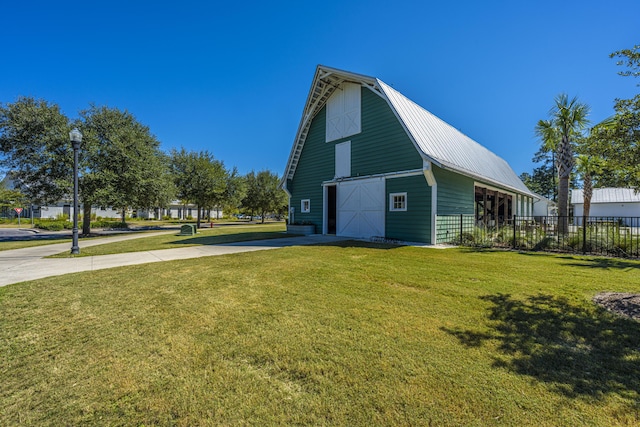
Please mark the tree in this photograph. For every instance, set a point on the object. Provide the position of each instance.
(543, 179)
(588, 167)
(630, 59)
(547, 152)
(567, 119)
(618, 143)
(122, 163)
(34, 141)
(11, 198)
(199, 178)
(234, 192)
(263, 195)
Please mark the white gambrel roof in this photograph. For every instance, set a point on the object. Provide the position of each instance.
(436, 140)
(607, 195)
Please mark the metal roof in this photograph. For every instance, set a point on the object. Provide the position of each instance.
(436, 140)
(449, 147)
(607, 195)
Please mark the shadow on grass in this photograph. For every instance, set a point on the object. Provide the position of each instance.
(579, 350)
(230, 238)
(587, 261)
(482, 249)
(360, 244)
(263, 239)
(605, 263)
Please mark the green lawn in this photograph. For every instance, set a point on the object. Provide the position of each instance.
(354, 334)
(19, 244)
(205, 236)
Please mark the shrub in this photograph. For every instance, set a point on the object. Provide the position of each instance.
(545, 243)
(109, 224)
(52, 225)
(504, 236)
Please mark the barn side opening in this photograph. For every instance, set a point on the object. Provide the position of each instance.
(493, 208)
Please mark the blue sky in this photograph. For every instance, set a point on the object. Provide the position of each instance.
(232, 77)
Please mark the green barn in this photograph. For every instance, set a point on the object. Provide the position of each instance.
(367, 162)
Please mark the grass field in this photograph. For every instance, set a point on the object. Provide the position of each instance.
(19, 244)
(350, 334)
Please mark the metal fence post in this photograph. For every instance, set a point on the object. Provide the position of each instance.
(460, 229)
(514, 232)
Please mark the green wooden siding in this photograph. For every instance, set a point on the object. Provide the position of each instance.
(414, 225)
(455, 192)
(315, 166)
(382, 146)
(456, 196)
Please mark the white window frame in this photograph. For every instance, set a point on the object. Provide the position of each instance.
(392, 206)
(302, 206)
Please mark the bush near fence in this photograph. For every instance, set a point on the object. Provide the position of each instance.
(58, 225)
(609, 236)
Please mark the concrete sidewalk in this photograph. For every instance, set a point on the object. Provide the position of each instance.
(20, 265)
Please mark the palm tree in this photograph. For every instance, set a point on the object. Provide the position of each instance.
(587, 166)
(589, 160)
(567, 119)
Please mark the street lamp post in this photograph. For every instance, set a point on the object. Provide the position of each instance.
(76, 139)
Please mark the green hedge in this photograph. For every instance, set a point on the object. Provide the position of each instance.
(109, 224)
(52, 225)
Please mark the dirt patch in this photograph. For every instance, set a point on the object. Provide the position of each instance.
(626, 305)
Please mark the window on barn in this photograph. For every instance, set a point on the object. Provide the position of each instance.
(305, 206)
(398, 202)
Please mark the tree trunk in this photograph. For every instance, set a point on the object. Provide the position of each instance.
(563, 205)
(124, 213)
(86, 219)
(198, 218)
(587, 193)
(555, 183)
(565, 166)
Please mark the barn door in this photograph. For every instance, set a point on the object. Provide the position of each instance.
(360, 208)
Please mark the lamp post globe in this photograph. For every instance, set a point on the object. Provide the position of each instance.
(76, 139)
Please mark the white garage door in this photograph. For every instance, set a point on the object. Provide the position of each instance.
(360, 208)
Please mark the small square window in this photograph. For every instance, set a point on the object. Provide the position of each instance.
(398, 202)
(305, 206)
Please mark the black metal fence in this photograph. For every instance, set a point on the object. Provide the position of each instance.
(609, 236)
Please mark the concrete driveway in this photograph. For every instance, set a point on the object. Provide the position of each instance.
(20, 265)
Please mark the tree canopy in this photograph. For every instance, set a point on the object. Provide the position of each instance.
(617, 140)
(263, 195)
(200, 179)
(123, 165)
(34, 142)
(10, 198)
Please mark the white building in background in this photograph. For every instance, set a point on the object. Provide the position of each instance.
(176, 210)
(609, 202)
(543, 207)
(65, 208)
